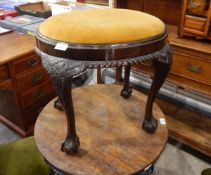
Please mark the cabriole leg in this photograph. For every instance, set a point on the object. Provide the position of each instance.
(63, 88)
(162, 67)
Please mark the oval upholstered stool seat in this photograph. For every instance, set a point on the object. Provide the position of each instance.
(22, 158)
(102, 26)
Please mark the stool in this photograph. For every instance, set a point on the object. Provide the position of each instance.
(109, 127)
(70, 43)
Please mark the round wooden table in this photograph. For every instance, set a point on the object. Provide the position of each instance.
(110, 127)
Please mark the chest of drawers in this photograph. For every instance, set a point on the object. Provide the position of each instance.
(25, 87)
(191, 64)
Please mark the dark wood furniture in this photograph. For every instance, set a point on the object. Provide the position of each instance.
(190, 71)
(25, 86)
(195, 18)
(63, 65)
(112, 141)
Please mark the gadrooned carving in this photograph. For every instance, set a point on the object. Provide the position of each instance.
(165, 54)
(62, 67)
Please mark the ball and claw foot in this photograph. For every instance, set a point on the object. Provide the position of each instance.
(58, 105)
(71, 145)
(150, 126)
(126, 93)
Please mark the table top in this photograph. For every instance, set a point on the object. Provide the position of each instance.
(110, 132)
(14, 45)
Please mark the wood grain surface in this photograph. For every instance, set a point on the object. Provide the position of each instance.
(15, 44)
(188, 127)
(156, 8)
(194, 45)
(110, 131)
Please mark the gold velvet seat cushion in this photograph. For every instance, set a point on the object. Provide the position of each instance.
(102, 26)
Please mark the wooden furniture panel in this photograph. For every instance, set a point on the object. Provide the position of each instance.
(26, 63)
(36, 94)
(13, 47)
(195, 18)
(209, 32)
(135, 5)
(196, 55)
(196, 23)
(4, 73)
(8, 103)
(160, 7)
(131, 4)
(155, 7)
(6, 84)
(28, 80)
(193, 131)
(22, 80)
(190, 85)
(191, 67)
(31, 117)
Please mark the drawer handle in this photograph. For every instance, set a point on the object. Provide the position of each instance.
(32, 62)
(36, 77)
(40, 94)
(195, 68)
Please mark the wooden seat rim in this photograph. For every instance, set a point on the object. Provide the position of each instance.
(101, 52)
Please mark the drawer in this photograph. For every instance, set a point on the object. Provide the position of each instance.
(195, 23)
(37, 94)
(4, 73)
(26, 63)
(30, 79)
(192, 86)
(191, 67)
